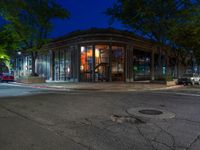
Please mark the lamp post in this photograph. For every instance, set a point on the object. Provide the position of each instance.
(17, 64)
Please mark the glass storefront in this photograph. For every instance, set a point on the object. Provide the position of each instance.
(101, 55)
(23, 66)
(117, 63)
(86, 63)
(57, 65)
(102, 63)
(109, 63)
(141, 65)
(160, 67)
(98, 63)
(62, 65)
(43, 66)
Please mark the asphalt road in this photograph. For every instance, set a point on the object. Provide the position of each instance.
(10, 90)
(53, 120)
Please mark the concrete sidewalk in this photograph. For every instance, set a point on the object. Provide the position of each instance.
(114, 86)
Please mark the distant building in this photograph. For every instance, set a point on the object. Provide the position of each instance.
(97, 55)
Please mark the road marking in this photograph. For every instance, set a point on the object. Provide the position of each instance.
(10, 84)
(178, 93)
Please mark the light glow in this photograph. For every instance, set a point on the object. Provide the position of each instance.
(82, 67)
(97, 53)
(68, 70)
(82, 49)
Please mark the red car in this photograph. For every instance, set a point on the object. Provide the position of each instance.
(7, 77)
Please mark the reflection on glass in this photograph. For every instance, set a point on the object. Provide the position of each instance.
(86, 63)
(43, 66)
(102, 63)
(117, 63)
(68, 73)
(141, 65)
(62, 66)
(57, 66)
(104, 66)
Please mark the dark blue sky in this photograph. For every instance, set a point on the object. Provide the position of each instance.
(84, 14)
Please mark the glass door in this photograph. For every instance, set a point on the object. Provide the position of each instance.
(57, 65)
(117, 63)
(86, 63)
(102, 63)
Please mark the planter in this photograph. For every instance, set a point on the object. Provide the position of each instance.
(167, 83)
(170, 83)
(31, 80)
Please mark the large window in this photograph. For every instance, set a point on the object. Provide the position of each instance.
(68, 67)
(62, 65)
(117, 63)
(43, 66)
(57, 65)
(102, 63)
(86, 63)
(160, 67)
(141, 65)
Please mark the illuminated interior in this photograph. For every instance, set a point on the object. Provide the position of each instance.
(86, 63)
(102, 62)
(108, 64)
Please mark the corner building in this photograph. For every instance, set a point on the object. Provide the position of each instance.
(99, 55)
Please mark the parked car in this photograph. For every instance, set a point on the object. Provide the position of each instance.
(7, 77)
(189, 78)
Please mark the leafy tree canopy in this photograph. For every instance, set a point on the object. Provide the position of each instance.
(8, 41)
(31, 22)
(167, 22)
(154, 19)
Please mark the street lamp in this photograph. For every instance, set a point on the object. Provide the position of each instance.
(19, 53)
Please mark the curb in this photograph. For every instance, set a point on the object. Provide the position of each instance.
(61, 88)
(172, 87)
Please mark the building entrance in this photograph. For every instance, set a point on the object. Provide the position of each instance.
(117, 63)
(141, 65)
(102, 65)
(109, 64)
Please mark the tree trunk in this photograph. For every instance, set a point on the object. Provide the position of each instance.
(178, 66)
(33, 57)
(159, 71)
(167, 69)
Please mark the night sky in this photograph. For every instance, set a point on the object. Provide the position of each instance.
(85, 14)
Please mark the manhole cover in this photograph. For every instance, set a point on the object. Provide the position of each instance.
(153, 113)
(150, 112)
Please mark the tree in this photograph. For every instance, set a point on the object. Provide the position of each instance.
(185, 34)
(154, 19)
(8, 43)
(9, 40)
(31, 21)
(4, 62)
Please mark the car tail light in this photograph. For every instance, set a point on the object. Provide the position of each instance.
(4, 77)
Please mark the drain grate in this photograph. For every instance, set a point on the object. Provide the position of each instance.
(150, 112)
